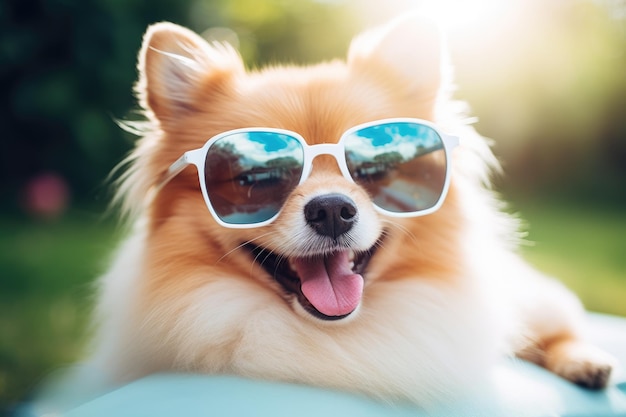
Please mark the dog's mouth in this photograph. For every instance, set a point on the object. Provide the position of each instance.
(329, 287)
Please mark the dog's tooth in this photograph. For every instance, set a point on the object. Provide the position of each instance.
(351, 258)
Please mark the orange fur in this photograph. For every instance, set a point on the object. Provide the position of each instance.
(442, 293)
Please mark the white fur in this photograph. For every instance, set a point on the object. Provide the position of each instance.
(116, 348)
(412, 339)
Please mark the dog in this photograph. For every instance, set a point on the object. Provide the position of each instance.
(338, 229)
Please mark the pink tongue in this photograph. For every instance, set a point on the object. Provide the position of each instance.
(329, 283)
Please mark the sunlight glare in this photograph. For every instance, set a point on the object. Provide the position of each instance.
(460, 15)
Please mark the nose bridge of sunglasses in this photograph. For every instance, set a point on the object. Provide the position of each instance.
(324, 164)
(325, 158)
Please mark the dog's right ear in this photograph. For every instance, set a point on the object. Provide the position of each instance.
(178, 69)
(411, 48)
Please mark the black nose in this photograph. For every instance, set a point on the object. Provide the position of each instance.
(331, 214)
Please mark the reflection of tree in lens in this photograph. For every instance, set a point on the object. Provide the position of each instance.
(245, 190)
(377, 170)
(284, 163)
(272, 173)
(222, 164)
(389, 158)
(402, 166)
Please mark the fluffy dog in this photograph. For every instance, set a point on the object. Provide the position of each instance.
(424, 306)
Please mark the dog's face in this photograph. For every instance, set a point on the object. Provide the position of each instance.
(329, 248)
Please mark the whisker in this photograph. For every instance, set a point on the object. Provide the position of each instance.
(279, 259)
(269, 253)
(402, 229)
(244, 244)
(255, 260)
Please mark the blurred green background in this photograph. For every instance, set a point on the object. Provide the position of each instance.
(546, 79)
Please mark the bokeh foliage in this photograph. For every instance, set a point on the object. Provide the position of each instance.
(545, 78)
(67, 69)
(548, 84)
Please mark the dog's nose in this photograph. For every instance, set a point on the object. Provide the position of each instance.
(331, 214)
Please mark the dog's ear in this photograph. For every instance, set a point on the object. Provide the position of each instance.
(411, 48)
(177, 68)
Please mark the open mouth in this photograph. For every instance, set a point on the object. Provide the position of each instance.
(328, 286)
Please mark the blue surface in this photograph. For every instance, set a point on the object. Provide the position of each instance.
(522, 389)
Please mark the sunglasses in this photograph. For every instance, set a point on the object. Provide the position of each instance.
(246, 175)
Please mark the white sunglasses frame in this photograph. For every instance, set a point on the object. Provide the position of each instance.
(197, 157)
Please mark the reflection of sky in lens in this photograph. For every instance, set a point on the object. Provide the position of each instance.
(405, 138)
(272, 142)
(256, 148)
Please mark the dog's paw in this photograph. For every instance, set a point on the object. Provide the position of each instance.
(580, 363)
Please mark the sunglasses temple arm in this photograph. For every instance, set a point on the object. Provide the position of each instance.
(453, 141)
(176, 168)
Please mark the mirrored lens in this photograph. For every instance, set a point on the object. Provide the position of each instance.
(249, 175)
(401, 164)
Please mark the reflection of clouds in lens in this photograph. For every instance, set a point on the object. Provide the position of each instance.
(407, 139)
(257, 148)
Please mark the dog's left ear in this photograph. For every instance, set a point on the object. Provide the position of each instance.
(410, 48)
